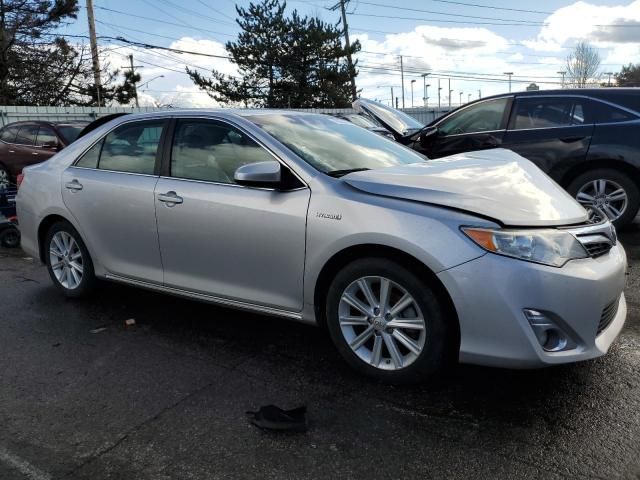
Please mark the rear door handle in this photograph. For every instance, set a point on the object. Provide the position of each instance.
(170, 198)
(73, 185)
(571, 139)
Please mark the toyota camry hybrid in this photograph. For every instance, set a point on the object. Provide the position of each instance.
(409, 263)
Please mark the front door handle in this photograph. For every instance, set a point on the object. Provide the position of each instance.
(74, 185)
(170, 198)
(35, 153)
(571, 139)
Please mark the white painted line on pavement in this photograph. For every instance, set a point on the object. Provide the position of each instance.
(24, 467)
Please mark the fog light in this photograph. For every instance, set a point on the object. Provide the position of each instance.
(550, 336)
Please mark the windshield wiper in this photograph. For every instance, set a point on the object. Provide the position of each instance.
(340, 173)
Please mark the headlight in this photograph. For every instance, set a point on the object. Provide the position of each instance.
(548, 246)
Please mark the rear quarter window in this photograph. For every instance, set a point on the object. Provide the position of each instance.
(610, 114)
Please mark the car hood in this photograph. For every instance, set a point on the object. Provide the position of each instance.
(394, 120)
(496, 183)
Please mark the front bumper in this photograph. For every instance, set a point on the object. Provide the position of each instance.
(491, 292)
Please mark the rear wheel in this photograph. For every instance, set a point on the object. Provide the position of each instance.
(10, 237)
(68, 260)
(609, 191)
(386, 322)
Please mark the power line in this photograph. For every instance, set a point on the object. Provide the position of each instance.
(157, 20)
(408, 9)
(477, 5)
(195, 13)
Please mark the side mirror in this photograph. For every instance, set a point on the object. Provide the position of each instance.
(427, 135)
(260, 174)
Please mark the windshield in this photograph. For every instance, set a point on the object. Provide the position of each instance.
(330, 144)
(399, 121)
(70, 132)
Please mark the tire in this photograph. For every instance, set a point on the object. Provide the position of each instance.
(10, 237)
(72, 257)
(429, 353)
(615, 180)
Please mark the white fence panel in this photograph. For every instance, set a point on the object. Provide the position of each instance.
(9, 114)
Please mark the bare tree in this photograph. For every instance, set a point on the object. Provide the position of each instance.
(583, 65)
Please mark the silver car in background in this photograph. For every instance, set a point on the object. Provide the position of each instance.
(408, 263)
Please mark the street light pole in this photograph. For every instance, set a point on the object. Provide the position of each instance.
(424, 88)
(149, 81)
(412, 82)
(509, 74)
(426, 95)
(468, 98)
(439, 90)
(563, 74)
(461, 97)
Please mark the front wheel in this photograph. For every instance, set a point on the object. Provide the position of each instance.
(68, 261)
(609, 191)
(386, 322)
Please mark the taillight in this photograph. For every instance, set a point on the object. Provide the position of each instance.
(19, 179)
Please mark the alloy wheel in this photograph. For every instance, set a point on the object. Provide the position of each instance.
(604, 195)
(382, 323)
(66, 260)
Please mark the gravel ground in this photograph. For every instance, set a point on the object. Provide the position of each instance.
(82, 395)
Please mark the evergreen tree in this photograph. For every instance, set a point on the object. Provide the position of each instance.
(629, 76)
(283, 62)
(37, 67)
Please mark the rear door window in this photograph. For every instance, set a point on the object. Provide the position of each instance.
(132, 147)
(46, 136)
(549, 112)
(27, 135)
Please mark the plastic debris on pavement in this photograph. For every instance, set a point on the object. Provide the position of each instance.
(271, 417)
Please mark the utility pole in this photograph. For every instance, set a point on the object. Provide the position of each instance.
(479, 94)
(461, 97)
(94, 50)
(563, 74)
(392, 97)
(133, 72)
(468, 98)
(450, 92)
(402, 78)
(609, 82)
(439, 90)
(341, 5)
(426, 95)
(509, 74)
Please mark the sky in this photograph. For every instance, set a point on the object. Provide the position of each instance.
(466, 46)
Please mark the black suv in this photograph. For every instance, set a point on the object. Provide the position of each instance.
(587, 140)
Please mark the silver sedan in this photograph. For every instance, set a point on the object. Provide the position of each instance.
(409, 263)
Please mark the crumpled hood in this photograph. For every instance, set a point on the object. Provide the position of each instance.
(495, 183)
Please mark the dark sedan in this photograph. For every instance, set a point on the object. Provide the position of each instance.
(587, 140)
(27, 143)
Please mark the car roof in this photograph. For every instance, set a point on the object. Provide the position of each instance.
(78, 123)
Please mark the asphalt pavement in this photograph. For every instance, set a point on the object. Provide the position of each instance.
(83, 395)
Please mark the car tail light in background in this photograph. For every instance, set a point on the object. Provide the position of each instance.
(19, 179)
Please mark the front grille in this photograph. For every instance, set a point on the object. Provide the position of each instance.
(596, 238)
(608, 314)
(595, 249)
